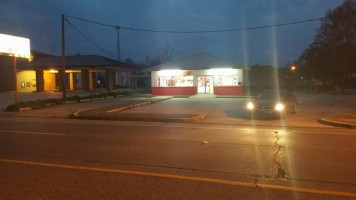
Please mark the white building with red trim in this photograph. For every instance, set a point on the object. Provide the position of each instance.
(197, 74)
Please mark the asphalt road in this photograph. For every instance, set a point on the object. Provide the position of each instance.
(42, 158)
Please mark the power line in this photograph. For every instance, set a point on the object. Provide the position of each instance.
(223, 30)
(197, 32)
(99, 23)
(174, 32)
(86, 37)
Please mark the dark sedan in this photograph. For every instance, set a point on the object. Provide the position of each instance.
(274, 102)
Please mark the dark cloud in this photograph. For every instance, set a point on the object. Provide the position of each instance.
(41, 22)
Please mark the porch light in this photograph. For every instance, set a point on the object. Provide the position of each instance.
(53, 71)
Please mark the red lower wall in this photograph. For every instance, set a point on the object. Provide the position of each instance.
(228, 90)
(174, 91)
(189, 91)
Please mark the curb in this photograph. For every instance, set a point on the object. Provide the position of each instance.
(137, 105)
(335, 123)
(25, 109)
(157, 119)
(76, 115)
(239, 97)
(195, 118)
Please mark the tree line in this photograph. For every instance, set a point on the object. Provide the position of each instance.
(331, 58)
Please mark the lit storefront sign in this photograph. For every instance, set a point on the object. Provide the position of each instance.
(15, 46)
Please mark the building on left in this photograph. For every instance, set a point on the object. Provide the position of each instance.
(83, 72)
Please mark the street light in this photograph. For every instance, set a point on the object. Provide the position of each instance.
(293, 68)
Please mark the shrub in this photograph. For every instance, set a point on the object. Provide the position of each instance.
(43, 103)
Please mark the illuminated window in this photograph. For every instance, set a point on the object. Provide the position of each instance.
(175, 81)
(164, 81)
(226, 80)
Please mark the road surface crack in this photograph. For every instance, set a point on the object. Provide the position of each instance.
(280, 172)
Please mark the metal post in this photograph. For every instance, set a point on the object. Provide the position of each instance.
(118, 43)
(15, 80)
(63, 81)
(118, 51)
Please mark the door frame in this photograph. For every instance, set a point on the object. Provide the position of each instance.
(208, 86)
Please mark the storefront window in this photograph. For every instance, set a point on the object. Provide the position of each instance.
(225, 80)
(175, 81)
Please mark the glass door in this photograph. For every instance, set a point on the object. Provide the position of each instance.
(205, 85)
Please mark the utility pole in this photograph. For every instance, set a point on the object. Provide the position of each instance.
(118, 51)
(15, 79)
(63, 71)
(118, 43)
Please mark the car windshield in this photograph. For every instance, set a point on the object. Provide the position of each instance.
(269, 96)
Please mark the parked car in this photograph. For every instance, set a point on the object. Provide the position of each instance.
(273, 102)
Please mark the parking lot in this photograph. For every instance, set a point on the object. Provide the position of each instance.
(311, 107)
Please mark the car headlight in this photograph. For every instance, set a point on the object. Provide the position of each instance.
(250, 106)
(279, 107)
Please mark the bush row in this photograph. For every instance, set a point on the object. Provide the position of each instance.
(46, 102)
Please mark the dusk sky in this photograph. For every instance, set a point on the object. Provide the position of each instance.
(40, 20)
